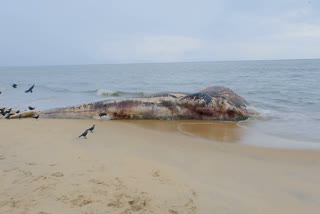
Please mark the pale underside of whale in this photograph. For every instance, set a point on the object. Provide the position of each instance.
(213, 103)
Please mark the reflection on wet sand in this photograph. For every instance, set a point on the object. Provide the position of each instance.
(228, 132)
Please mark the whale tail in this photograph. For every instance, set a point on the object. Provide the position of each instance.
(26, 114)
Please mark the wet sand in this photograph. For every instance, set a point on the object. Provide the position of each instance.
(227, 132)
(125, 168)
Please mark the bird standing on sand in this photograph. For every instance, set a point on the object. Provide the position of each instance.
(84, 134)
(3, 112)
(31, 108)
(30, 89)
(14, 85)
(36, 117)
(92, 128)
(8, 111)
(8, 116)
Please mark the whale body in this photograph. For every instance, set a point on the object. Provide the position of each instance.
(213, 103)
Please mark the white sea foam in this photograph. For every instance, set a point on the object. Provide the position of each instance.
(108, 93)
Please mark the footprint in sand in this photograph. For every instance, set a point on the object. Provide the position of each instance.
(138, 203)
(156, 173)
(190, 207)
(10, 170)
(27, 173)
(57, 174)
(81, 200)
(63, 198)
(31, 163)
(131, 203)
(13, 203)
(96, 181)
(173, 211)
(161, 179)
(41, 177)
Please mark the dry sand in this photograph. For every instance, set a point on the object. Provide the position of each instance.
(125, 168)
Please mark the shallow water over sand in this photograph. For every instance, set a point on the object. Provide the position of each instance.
(221, 132)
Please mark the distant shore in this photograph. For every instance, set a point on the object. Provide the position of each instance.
(127, 168)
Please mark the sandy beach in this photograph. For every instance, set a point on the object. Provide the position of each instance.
(147, 167)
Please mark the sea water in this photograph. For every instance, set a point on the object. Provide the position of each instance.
(286, 93)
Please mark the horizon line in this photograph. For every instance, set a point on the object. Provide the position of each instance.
(134, 63)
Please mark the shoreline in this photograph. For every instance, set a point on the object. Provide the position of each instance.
(224, 132)
(126, 168)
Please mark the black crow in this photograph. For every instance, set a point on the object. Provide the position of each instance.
(31, 108)
(8, 116)
(17, 112)
(14, 85)
(30, 89)
(102, 114)
(84, 134)
(92, 128)
(8, 111)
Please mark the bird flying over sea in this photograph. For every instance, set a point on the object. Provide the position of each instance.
(30, 89)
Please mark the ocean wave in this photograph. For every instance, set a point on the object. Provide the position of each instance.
(54, 89)
(268, 114)
(286, 124)
(108, 93)
(63, 90)
(98, 92)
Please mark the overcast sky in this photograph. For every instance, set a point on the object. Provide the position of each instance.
(59, 32)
